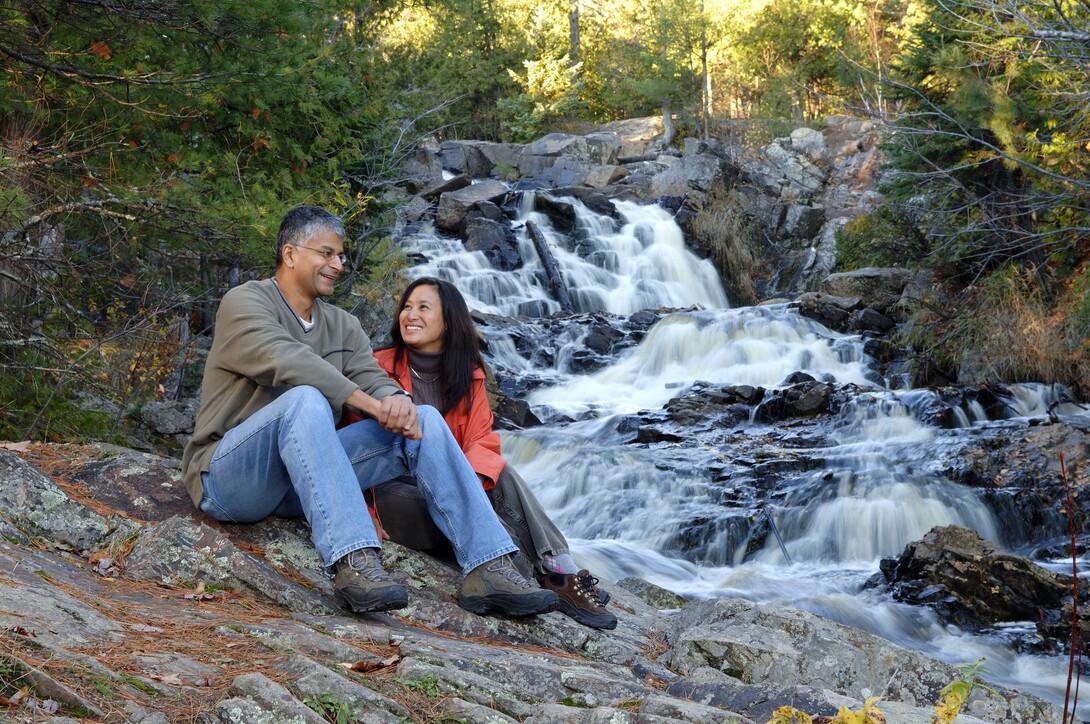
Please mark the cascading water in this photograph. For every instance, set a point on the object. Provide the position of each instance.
(684, 514)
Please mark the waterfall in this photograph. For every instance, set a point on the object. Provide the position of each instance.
(693, 512)
(621, 267)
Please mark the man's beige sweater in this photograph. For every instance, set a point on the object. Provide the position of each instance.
(261, 350)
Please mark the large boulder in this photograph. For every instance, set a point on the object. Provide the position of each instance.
(634, 135)
(495, 240)
(559, 144)
(477, 159)
(879, 287)
(697, 174)
(421, 169)
(784, 173)
(969, 582)
(751, 642)
(454, 205)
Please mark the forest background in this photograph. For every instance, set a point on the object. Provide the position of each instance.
(148, 149)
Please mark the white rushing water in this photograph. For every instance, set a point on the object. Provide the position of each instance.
(662, 512)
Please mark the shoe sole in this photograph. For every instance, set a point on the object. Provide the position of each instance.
(385, 599)
(604, 621)
(510, 605)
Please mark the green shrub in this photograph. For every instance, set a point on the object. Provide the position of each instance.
(883, 238)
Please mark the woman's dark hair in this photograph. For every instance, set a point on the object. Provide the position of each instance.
(461, 347)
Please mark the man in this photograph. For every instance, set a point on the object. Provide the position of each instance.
(283, 365)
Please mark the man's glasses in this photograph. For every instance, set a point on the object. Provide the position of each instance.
(326, 253)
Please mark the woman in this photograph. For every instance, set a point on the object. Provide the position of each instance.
(436, 358)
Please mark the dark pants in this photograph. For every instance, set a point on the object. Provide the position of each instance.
(404, 515)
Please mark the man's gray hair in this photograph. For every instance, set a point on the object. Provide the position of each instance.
(302, 224)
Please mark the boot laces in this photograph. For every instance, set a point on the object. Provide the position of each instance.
(504, 568)
(584, 584)
(366, 564)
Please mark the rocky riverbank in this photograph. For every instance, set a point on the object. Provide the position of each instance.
(120, 603)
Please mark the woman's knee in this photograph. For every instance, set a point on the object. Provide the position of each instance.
(428, 416)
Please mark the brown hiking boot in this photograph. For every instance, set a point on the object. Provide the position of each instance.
(498, 586)
(580, 598)
(363, 585)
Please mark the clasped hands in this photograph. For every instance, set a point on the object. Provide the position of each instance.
(395, 413)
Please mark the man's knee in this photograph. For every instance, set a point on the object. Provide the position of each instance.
(305, 397)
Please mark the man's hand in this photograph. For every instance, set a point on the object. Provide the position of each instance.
(397, 413)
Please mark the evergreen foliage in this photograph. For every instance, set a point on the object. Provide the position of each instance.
(148, 149)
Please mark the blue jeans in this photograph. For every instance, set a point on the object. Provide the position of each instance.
(287, 459)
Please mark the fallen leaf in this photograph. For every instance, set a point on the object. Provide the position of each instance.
(23, 446)
(362, 667)
(169, 679)
(199, 594)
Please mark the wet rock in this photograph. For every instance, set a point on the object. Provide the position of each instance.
(833, 311)
(515, 414)
(434, 192)
(967, 581)
(495, 240)
(705, 406)
(561, 213)
(649, 434)
(471, 158)
(651, 594)
(594, 200)
(869, 320)
(804, 399)
(455, 205)
(1020, 474)
(601, 338)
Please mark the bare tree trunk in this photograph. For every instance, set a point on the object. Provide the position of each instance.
(706, 81)
(573, 33)
(668, 129)
(552, 269)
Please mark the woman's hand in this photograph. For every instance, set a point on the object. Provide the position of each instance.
(397, 413)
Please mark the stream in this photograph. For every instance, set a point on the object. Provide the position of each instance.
(692, 510)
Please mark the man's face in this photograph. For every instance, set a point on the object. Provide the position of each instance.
(317, 264)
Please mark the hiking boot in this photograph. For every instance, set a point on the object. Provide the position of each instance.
(362, 584)
(592, 583)
(497, 586)
(580, 598)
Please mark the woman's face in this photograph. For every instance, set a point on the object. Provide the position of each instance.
(421, 320)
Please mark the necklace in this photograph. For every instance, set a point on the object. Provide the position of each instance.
(420, 377)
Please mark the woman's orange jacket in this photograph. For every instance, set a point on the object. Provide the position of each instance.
(472, 429)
